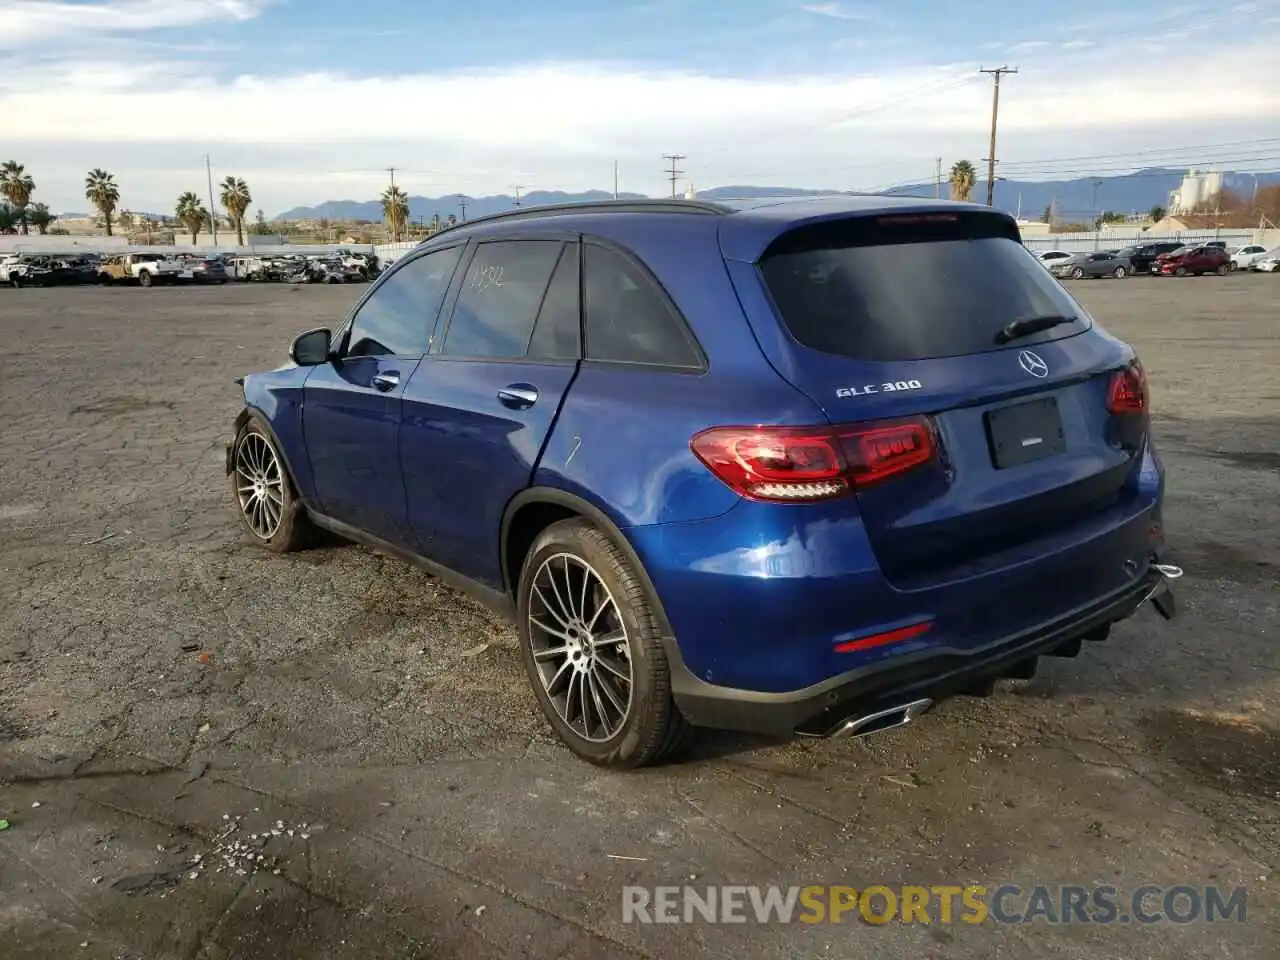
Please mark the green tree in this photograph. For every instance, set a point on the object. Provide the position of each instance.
(236, 198)
(961, 180)
(100, 189)
(40, 218)
(192, 214)
(16, 186)
(1157, 212)
(1047, 216)
(8, 219)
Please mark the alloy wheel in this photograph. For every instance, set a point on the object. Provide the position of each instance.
(259, 485)
(580, 647)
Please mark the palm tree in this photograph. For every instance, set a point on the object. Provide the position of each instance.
(236, 199)
(40, 218)
(1157, 213)
(17, 186)
(8, 219)
(961, 180)
(395, 209)
(192, 214)
(100, 189)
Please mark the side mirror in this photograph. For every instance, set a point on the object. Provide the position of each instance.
(311, 349)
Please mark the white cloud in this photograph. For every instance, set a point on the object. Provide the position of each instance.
(38, 21)
(1077, 45)
(1028, 46)
(304, 138)
(837, 10)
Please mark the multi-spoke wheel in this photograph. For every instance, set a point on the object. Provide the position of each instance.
(264, 495)
(259, 485)
(594, 653)
(580, 647)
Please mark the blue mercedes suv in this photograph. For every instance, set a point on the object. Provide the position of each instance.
(795, 466)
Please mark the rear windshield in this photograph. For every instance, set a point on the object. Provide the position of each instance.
(912, 287)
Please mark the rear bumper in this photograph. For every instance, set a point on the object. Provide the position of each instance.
(932, 673)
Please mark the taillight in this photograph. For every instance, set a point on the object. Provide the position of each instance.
(1127, 392)
(803, 464)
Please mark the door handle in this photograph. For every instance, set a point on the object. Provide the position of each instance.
(386, 381)
(518, 396)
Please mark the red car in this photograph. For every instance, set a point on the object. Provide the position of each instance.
(1197, 260)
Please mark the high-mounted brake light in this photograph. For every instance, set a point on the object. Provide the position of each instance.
(803, 464)
(1127, 392)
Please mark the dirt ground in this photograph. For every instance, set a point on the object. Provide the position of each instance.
(168, 690)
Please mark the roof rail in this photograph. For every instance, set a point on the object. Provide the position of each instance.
(704, 207)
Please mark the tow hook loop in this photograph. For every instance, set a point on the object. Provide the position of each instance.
(1167, 570)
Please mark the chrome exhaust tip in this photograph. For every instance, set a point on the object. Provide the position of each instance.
(881, 720)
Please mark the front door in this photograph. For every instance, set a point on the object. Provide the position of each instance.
(479, 408)
(352, 405)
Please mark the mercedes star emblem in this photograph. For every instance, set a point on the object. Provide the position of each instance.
(1032, 363)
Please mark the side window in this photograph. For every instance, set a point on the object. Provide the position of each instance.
(627, 319)
(500, 297)
(398, 317)
(556, 335)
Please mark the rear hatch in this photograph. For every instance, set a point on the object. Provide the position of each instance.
(945, 320)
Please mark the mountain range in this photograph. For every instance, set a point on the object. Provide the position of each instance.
(1072, 199)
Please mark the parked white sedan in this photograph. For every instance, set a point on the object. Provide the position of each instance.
(1269, 262)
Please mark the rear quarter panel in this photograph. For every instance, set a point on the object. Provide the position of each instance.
(622, 438)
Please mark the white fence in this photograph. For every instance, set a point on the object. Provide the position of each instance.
(390, 252)
(1113, 239)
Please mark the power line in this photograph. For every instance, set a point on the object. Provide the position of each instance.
(674, 174)
(517, 187)
(462, 205)
(1161, 151)
(1127, 170)
(996, 74)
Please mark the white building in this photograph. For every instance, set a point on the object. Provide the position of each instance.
(1197, 188)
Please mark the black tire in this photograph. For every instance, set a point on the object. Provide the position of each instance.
(653, 728)
(1180, 272)
(144, 278)
(295, 530)
(1222, 270)
(15, 282)
(1077, 274)
(1120, 273)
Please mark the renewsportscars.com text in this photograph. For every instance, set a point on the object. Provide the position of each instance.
(940, 904)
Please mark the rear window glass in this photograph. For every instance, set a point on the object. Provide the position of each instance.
(911, 287)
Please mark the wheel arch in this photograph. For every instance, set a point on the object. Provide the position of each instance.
(533, 510)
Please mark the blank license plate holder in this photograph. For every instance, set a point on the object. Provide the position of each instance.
(1024, 433)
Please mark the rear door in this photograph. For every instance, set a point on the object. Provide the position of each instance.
(906, 316)
(479, 408)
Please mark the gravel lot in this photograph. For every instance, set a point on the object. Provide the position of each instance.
(160, 677)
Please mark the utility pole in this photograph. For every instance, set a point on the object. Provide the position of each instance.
(673, 174)
(392, 172)
(937, 180)
(462, 205)
(615, 181)
(1097, 217)
(213, 211)
(996, 74)
(517, 187)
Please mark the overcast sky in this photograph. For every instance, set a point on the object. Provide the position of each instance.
(311, 100)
